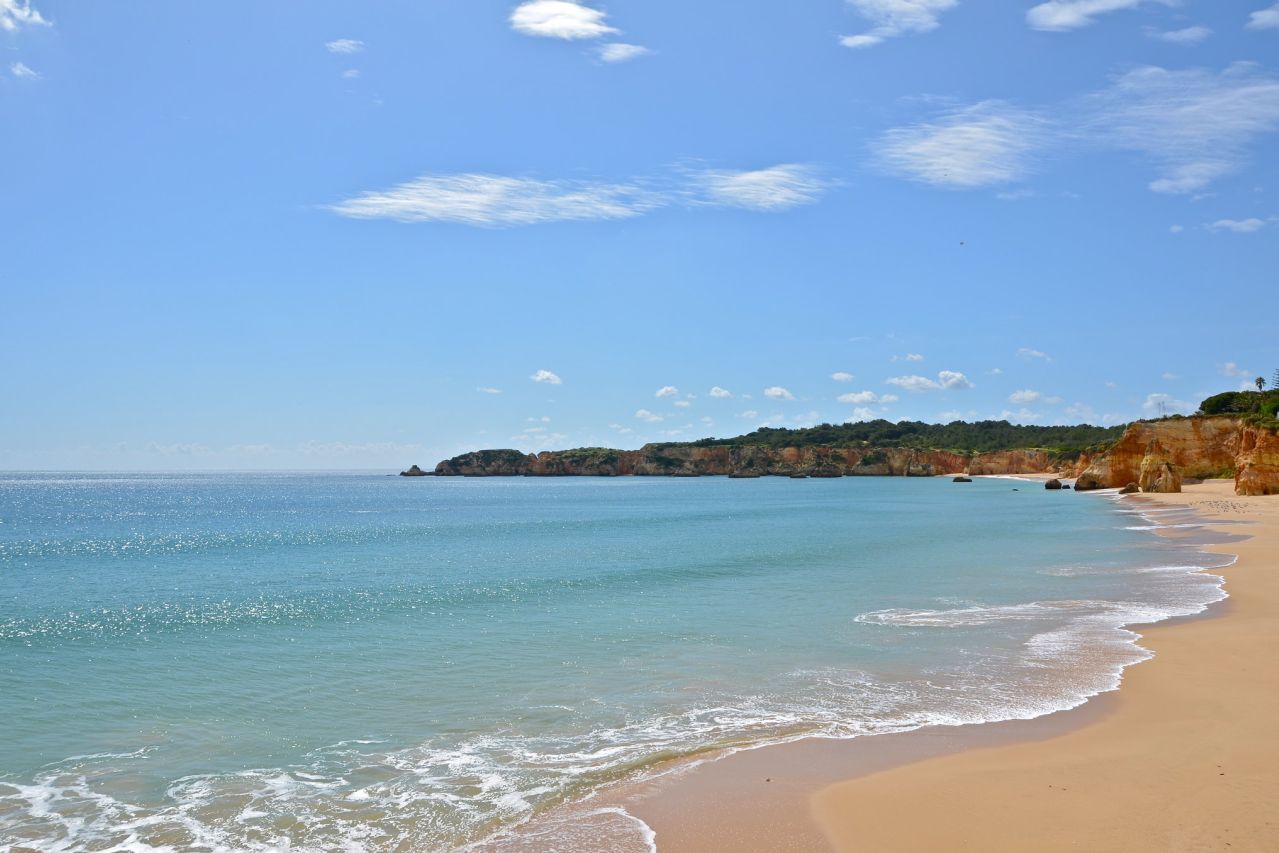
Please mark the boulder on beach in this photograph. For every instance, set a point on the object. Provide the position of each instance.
(1054, 484)
(962, 479)
(414, 471)
(1130, 489)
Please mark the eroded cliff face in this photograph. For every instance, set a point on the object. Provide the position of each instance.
(1157, 455)
(743, 461)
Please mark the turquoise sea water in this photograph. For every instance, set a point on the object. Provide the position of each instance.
(362, 662)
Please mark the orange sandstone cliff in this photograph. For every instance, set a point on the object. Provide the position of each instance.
(1158, 455)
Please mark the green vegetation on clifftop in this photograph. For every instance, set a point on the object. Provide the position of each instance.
(957, 436)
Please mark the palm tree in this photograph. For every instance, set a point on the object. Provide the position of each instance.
(1261, 382)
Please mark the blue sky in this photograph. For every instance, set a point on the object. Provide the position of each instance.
(337, 235)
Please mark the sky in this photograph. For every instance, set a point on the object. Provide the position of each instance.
(334, 235)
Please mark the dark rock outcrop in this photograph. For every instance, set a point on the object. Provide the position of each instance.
(1130, 489)
(414, 471)
(962, 479)
(1053, 484)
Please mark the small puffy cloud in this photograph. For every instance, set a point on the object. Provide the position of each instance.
(749, 414)
(649, 417)
(667, 391)
(892, 18)
(982, 145)
(620, 52)
(683, 404)
(344, 46)
(622, 430)
(1025, 396)
(1061, 15)
(946, 380)
(23, 72)
(559, 19)
(547, 377)
(1157, 405)
(1187, 35)
(1238, 226)
(721, 393)
(777, 392)
(862, 413)
(15, 14)
(910, 356)
(1264, 19)
(351, 74)
(996, 371)
(1030, 354)
(485, 390)
(1233, 370)
(841, 376)
(1176, 229)
(774, 188)
(1171, 377)
(542, 420)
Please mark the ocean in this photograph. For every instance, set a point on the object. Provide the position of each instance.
(319, 662)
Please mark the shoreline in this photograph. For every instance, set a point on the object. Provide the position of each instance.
(823, 794)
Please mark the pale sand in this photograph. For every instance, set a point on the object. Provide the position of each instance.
(1188, 760)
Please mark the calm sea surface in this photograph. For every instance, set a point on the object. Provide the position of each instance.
(362, 662)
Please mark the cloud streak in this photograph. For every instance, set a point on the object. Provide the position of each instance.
(494, 201)
(1062, 15)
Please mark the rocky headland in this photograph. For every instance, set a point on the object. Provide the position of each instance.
(1149, 456)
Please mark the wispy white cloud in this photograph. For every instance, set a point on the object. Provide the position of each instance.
(749, 414)
(1186, 35)
(1239, 226)
(494, 200)
(910, 356)
(892, 18)
(1170, 377)
(15, 14)
(842, 376)
(351, 74)
(996, 371)
(649, 417)
(1196, 124)
(1025, 396)
(1176, 229)
(485, 390)
(1264, 19)
(486, 200)
(621, 52)
(861, 398)
(546, 376)
(23, 72)
(946, 380)
(1021, 416)
(982, 145)
(341, 45)
(777, 392)
(683, 404)
(774, 188)
(1233, 370)
(559, 19)
(1029, 354)
(667, 391)
(721, 393)
(1084, 412)
(1060, 15)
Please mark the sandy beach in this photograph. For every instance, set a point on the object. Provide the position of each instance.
(1181, 758)
(1185, 762)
